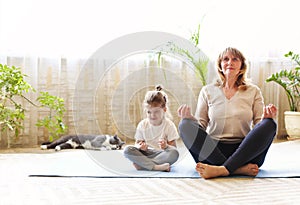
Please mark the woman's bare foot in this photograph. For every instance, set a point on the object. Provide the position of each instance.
(207, 171)
(162, 167)
(248, 169)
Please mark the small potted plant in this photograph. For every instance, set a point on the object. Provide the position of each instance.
(289, 80)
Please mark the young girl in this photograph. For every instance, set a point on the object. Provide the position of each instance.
(155, 145)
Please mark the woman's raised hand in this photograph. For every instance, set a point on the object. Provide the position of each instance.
(270, 111)
(184, 111)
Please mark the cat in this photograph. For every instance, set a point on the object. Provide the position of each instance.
(96, 142)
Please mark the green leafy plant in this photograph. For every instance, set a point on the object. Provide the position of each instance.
(289, 80)
(13, 88)
(54, 121)
(193, 56)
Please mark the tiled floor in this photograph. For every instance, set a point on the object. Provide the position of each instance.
(17, 188)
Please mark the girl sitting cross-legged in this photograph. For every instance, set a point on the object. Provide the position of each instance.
(155, 137)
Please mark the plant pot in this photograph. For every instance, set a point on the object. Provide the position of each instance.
(292, 124)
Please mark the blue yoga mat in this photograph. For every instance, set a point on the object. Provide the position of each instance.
(281, 161)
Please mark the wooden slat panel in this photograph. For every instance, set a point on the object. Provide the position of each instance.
(100, 96)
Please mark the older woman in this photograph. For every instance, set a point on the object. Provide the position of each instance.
(231, 130)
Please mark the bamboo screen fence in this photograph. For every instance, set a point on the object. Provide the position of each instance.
(109, 101)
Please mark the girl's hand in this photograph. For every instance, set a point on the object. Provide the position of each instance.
(270, 111)
(162, 143)
(142, 145)
(184, 111)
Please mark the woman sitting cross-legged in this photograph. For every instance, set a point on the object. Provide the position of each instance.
(231, 130)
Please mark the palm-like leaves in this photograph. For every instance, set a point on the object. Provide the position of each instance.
(289, 80)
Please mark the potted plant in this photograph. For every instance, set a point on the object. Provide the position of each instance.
(289, 80)
(13, 90)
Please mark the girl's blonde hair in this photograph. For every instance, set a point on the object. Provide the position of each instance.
(242, 80)
(157, 98)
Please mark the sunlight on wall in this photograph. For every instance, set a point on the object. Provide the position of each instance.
(259, 28)
(78, 28)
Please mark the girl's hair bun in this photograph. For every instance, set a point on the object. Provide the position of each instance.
(158, 87)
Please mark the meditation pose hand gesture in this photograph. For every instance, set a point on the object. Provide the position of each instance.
(231, 130)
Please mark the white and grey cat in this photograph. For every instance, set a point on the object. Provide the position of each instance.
(96, 142)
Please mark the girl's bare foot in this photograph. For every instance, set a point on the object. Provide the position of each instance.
(138, 167)
(162, 167)
(248, 169)
(207, 171)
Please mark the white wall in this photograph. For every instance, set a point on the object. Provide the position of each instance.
(78, 27)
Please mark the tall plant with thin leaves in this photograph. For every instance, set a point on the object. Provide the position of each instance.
(194, 56)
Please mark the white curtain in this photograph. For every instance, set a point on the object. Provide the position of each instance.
(51, 41)
(110, 102)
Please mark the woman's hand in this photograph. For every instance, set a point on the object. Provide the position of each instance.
(184, 111)
(270, 111)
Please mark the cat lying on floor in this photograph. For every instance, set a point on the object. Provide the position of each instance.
(96, 142)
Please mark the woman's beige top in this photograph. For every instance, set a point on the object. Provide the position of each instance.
(229, 120)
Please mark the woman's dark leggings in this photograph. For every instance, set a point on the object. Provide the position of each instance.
(253, 149)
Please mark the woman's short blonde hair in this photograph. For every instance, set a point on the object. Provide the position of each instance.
(241, 82)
